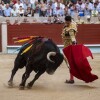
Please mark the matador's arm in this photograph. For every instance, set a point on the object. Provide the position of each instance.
(72, 34)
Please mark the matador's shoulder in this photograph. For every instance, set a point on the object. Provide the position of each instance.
(73, 26)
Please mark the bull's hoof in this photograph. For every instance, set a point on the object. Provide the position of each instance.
(29, 86)
(10, 84)
(21, 87)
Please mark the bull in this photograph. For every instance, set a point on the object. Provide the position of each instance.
(43, 56)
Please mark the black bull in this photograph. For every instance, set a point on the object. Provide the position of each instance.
(44, 56)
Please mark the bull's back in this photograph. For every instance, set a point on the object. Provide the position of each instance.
(50, 45)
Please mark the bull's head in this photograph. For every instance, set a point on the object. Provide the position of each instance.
(54, 61)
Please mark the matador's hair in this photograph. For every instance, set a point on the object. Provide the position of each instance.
(68, 18)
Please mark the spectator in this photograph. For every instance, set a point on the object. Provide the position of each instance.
(43, 9)
(33, 6)
(98, 7)
(58, 9)
(20, 11)
(7, 11)
(14, 12)
(32, 2)
(28, 12)
(94, 11)
(72, 9)
(87, 11)
(37, 7)
(49, 11)
(66, 11)
(57, 20)
(26, 4)
(14, 1)
(6, 1)
(3, 6)
(1, 12)
(80, 8)
(11, 4)
(89, 4)
(18, 4)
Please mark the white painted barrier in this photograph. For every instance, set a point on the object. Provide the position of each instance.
(4, 37)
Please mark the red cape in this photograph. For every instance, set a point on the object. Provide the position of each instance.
(79, 65)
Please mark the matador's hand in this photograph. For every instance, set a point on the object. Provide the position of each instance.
(74, 42)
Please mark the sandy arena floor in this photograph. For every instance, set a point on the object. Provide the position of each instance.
(48, 87)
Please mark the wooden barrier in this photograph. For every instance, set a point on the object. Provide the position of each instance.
(47, 30)
(88, 34)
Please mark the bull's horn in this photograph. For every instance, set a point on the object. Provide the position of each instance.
(51, 54)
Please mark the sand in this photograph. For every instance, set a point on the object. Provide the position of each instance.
(48, 87)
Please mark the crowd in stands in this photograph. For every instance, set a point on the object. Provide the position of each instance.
(51, 8)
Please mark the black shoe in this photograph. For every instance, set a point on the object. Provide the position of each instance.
(70, 81)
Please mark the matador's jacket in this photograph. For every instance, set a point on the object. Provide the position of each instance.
(69, 33)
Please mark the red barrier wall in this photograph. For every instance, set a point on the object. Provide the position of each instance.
(47, 30)
(87, 33)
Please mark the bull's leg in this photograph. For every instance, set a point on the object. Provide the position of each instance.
(19, 63)
(25, 77)
(10, 82)
(35, 78)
